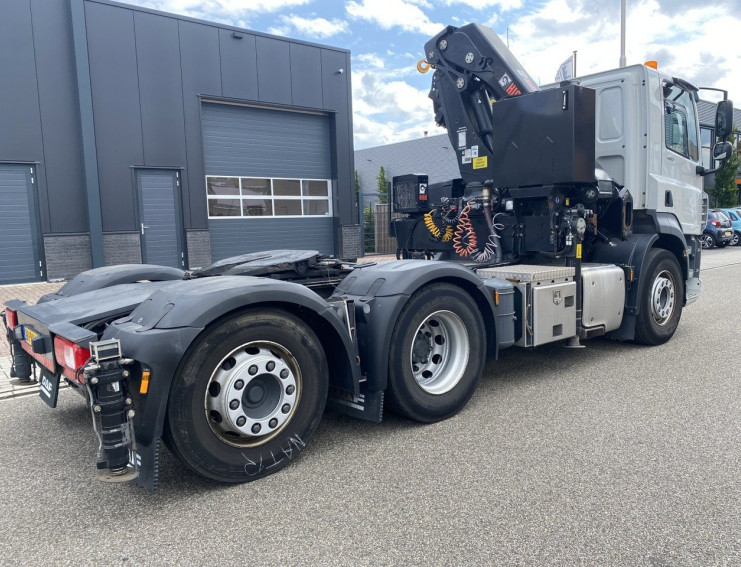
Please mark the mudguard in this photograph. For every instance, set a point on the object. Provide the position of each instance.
(108, 276)
(630, 252)
(160, 330)
(380, 292)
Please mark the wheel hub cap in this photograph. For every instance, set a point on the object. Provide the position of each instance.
(252, 393)
(439, 353)
(662, 298)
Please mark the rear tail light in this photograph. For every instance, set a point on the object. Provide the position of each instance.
(11, 318)
(716, 223)
(70, 356)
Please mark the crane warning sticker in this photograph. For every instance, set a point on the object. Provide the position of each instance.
(466, 156)
(480, 162)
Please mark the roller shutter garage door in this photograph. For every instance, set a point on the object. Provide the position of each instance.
(19, 238)
(245, 143)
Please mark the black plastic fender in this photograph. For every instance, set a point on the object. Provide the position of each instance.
(630, 252)
(672, 238)
(380, 292)
(159, 332)
(108, 276)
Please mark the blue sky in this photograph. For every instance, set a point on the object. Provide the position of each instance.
(386, 39)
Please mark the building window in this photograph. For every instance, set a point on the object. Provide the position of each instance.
(679, 119)
(230, 197)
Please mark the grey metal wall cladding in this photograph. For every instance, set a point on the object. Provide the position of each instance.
(230, 237)
(259, 142)
(159, 214)
(18, 261)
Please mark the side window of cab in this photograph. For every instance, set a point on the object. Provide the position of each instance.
(680, 131)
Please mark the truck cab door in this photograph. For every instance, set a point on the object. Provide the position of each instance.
(680, 187)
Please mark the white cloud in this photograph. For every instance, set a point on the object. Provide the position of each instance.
(315, 27)
(388, 110)
(371, 60)
(682, 43)
(388, 14)
(481, 4)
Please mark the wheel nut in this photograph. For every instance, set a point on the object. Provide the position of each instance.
(252, 370)
(241, 420)
(291, 389)
(270, 366)
(239, 384)
(286, 408)
(284, 373)
(273, 423)
(125, 373)
(93, 380)
(256, 428)
(234, 404)
(97, 409)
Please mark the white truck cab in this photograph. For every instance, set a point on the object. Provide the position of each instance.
(647, 137)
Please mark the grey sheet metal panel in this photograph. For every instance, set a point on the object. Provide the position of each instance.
(19, 261)
(160, 89)
(231, 237)
(273, 77)
(238, 65)
(61, 201)
(116, 110)
(160, 217)
(261, 142)
(306, 75)
(20, 124)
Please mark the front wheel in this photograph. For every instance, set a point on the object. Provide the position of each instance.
(662, 296)
(248, 397)
(437, 353)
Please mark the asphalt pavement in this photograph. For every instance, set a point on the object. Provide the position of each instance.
(613, 454)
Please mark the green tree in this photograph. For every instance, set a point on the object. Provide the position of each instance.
(383, 186)
(725, 192)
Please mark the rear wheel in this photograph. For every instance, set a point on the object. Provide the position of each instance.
(248, 397)
(707, 240)
(662, 296)
(735, 239)
(437, 353)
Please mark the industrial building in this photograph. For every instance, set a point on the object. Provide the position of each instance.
(131, 135)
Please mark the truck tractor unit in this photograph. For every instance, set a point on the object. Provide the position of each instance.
(577, 213)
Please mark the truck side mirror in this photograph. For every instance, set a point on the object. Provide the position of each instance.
(722, 151)
(724, 119)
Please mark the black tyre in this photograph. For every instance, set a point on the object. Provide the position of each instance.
(662, 296)
(248, 397)
(707, 241)
(735, 239)
(437, 353)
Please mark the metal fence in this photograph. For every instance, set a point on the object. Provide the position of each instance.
(376, 237)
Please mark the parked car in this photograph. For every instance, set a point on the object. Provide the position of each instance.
(718, 230)
(735, 217)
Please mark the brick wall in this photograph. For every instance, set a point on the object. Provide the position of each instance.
(351, 241)
(67, 255)
(122, 248)
(199, 248)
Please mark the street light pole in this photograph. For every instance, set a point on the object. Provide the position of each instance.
(622, 33)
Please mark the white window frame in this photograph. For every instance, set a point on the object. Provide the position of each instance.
(271, 197)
